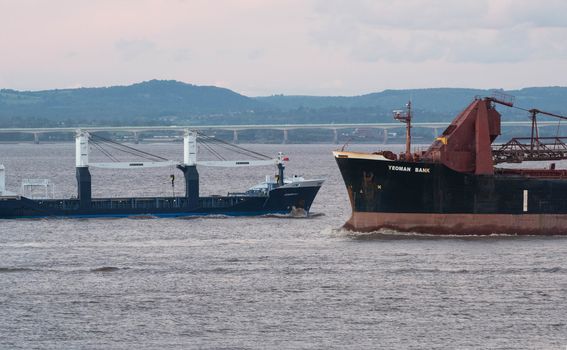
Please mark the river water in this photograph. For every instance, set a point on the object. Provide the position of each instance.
(262, 283)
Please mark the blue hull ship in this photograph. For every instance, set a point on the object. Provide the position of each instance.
(279, 195)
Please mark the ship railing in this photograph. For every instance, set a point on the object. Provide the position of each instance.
(139, 203)
(219, 201)
(249, 193)
(142, 203)
(540, 149)
(539, 173)
(10, 197)
(66, 204)
(502, 98)
(29, 188)
(236, 194)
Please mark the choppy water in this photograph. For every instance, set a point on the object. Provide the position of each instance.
(226, 283)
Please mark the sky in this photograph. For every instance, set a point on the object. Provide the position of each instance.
(291, 47)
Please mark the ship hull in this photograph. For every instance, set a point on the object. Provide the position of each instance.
(279, 201)
(460, 224)
(431, 198)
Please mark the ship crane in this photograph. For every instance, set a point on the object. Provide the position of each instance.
(188, 166)
(517, 150)
(534, 139)
(84, 139)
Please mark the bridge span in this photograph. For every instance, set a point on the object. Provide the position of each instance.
(137, 130)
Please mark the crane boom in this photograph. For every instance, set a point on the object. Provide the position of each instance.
(237, 163)
(133, 165)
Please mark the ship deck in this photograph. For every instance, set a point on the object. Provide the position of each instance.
(141, 203)
(533, 173)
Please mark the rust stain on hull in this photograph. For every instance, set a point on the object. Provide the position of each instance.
(460, 224)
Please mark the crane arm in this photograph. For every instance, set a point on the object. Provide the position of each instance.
(133, 165)
(237, 163)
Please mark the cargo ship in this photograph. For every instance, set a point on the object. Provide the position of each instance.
(276, 195)
(460, 184)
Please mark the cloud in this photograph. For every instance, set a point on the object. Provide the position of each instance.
(255, 54)
(132, 49)
(447, 14)
(182, 54)
(288, 46)
(455, 31)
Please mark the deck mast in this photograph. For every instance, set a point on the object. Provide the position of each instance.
(406, 118)
(83, 175)
(189, 167)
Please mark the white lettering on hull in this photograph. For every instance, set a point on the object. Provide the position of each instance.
(399, 168)
(409, 169)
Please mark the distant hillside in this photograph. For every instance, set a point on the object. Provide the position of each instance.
(176, 103)
(148, 102)
(437, 104)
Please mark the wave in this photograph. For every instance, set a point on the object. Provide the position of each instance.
(108, 269)
(384, 234)
(14, 269)
(505, 271)
(553, 269)
(548, 270)
(142, 217)
(431, 270)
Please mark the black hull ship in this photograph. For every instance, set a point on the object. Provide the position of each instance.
(279, 195)
(457, 187)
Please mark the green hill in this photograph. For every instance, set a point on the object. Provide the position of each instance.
(176, 103)
(152, 102)
(439, 104)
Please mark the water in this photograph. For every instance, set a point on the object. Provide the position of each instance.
(256, 283)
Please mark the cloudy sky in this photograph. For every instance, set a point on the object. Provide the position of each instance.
(264, 47)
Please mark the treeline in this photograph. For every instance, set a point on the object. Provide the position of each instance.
(175, 103)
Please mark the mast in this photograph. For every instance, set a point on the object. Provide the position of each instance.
(189, 147)
(281, 166)
(83, 175)
(535, 133)
(81, 149)
(406, 118)
(189, 167)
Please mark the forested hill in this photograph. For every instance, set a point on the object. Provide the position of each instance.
(151, 102)
(175, 103)
(435, 104)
